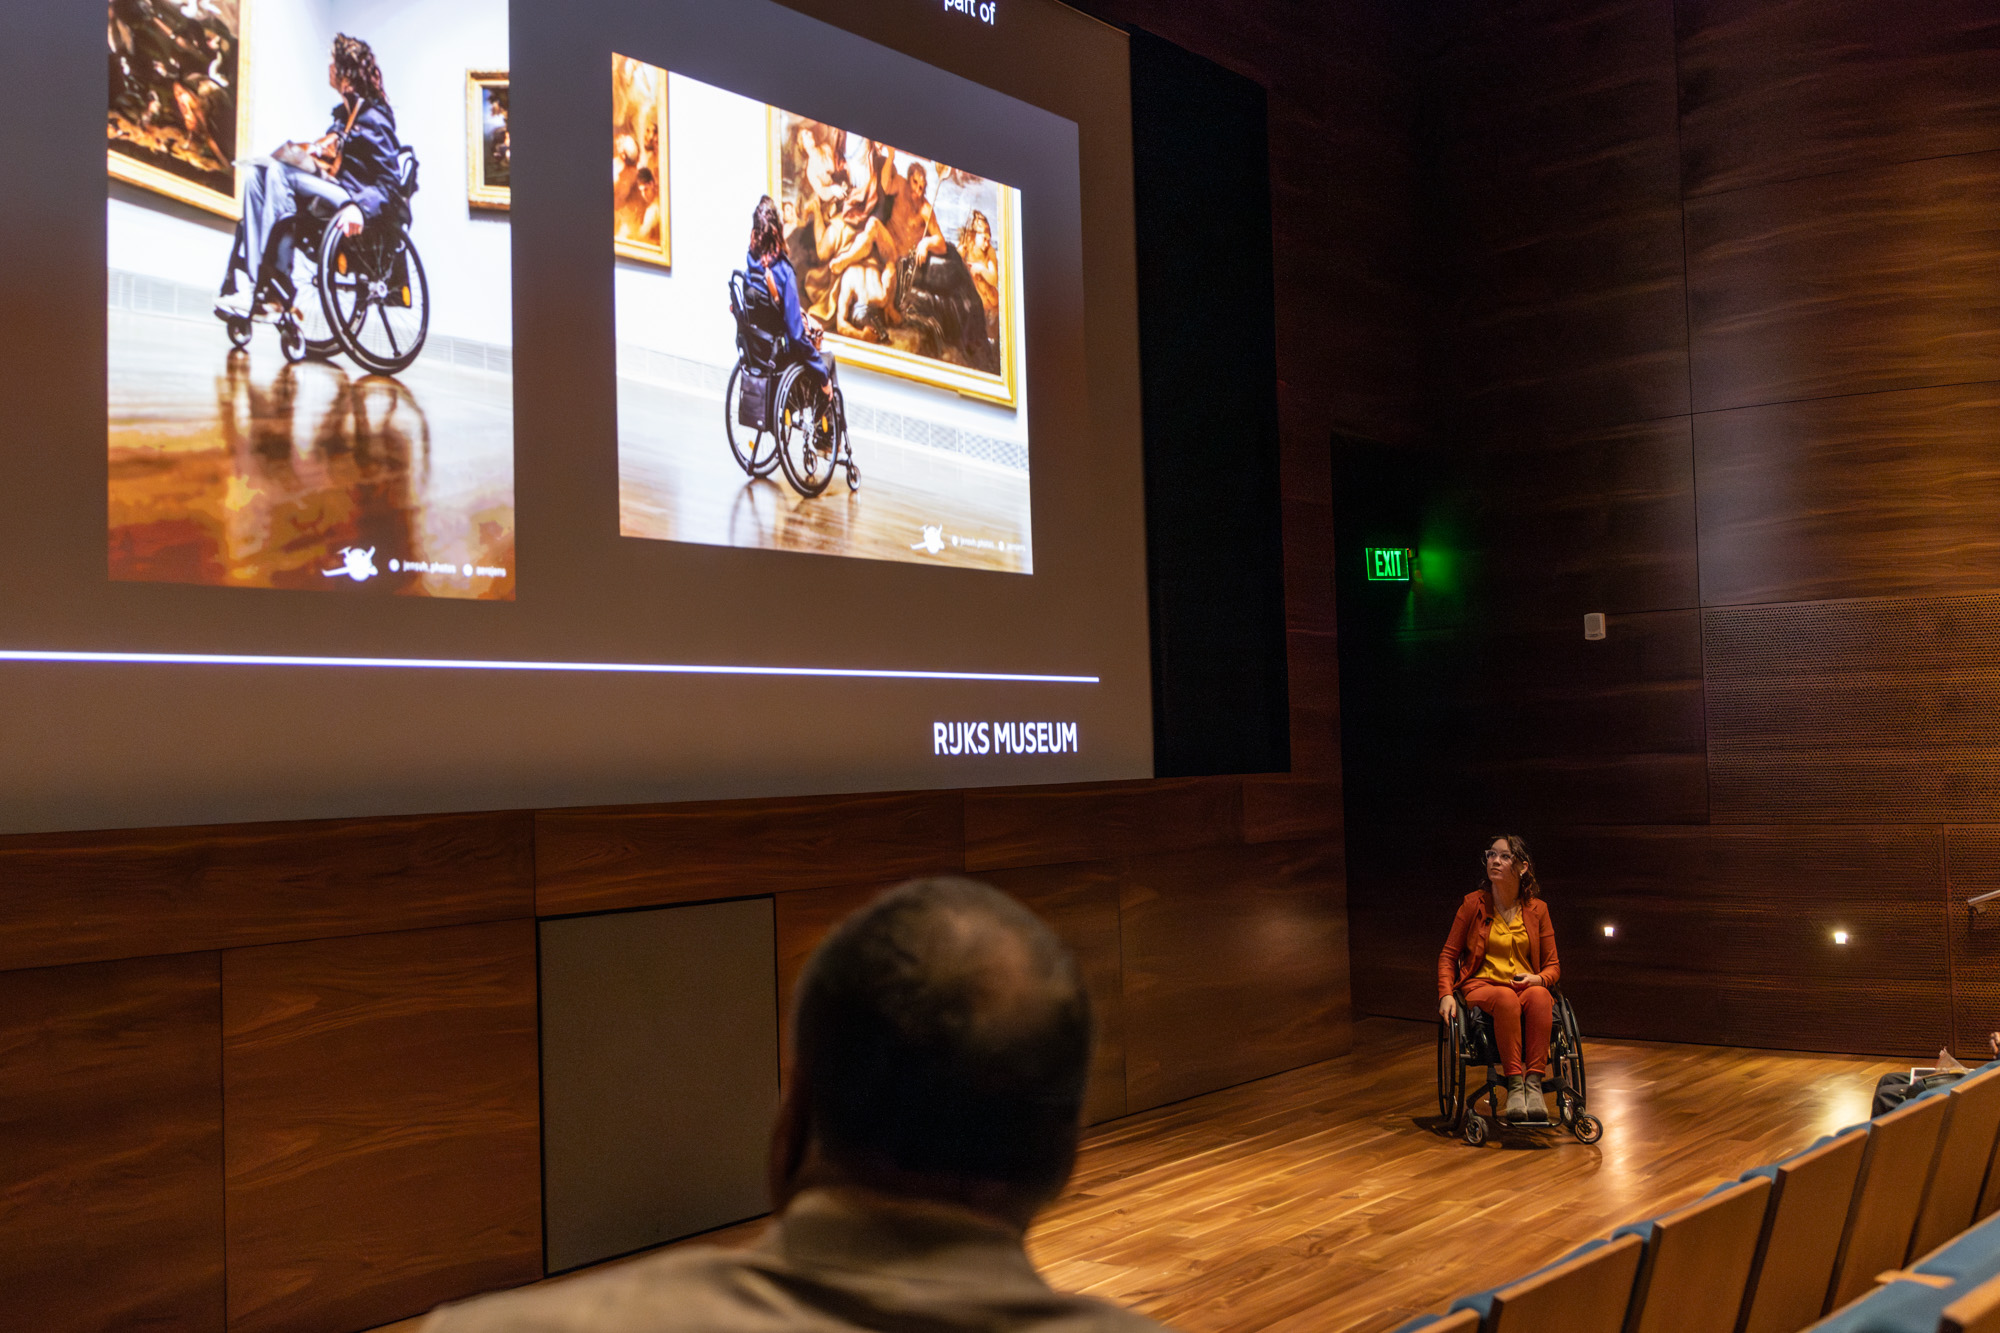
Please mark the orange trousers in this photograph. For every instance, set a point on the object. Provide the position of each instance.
(1529, 1011)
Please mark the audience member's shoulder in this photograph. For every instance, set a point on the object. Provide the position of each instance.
(702, 1287)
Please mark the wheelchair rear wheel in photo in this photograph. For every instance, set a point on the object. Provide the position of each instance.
(375, 297)
(808, 467)
(756, 450)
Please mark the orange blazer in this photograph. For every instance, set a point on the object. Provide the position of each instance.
(1465, 948)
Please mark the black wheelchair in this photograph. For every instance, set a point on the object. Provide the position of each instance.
(1467, 1041)
(772, 408)
(369, 299)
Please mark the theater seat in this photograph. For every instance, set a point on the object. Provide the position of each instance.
(1698, 1261)
(1901, 1147)
(1964, 1150)
(1810, 1194)
(1977, 1311)
(1585, 1291)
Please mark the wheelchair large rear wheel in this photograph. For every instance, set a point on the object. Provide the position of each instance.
(375, 296)
(1451, 1075)
(756, 450)
(800, 432)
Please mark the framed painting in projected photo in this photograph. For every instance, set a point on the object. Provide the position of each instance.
(178, 112)
(489, 144)
(640, 199)
(908, 261)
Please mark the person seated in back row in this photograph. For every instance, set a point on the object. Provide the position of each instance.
(941, 1040)
(1893, 1089)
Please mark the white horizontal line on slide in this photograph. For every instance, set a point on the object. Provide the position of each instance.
(456, 664)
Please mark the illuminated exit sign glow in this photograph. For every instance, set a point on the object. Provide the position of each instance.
(1389, 564)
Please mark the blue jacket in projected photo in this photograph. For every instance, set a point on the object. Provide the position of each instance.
(368, 155)
(780, 271)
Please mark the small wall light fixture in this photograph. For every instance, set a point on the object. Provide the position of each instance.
(1840, 937)
(1593, 625)
(1609, 931)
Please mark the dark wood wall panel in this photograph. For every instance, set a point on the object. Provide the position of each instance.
(1560, 289)
(644, 856)
(1594, 520)
(1534, 723)
(111, 1146)
(1233, 966)
(1859, 282)
(1772, 90)
(383, 1148)
(75, 897)
(1026, 826)
(1859, 711)
(1869, 495)
(1282, 808)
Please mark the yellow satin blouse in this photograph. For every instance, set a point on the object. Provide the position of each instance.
(1506, 950)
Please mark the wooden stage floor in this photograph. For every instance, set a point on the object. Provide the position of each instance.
(1323, 1200)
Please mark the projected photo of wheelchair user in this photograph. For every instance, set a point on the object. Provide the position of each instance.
(1501, 958)
(898, 267)
(267, 355)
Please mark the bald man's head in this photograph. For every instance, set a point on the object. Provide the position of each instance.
(942, 1046)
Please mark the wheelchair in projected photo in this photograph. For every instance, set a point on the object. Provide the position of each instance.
(773, 410)
(369, 296)
(1467, 1041)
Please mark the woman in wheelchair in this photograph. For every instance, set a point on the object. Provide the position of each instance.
(769, 260)
(348, 174)
(1501, 954)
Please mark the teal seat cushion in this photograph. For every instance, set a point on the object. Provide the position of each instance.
(1976, 1253)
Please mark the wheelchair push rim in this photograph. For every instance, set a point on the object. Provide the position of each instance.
(807, 467)
(375, 297)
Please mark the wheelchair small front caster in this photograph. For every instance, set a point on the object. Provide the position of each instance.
(1588, 1129)
(1475, 1130)
(291, 341)
(853, 477)
(239, 332)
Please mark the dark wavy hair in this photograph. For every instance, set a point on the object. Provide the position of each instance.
(1530, 886)
(767, 229)
(354, 61)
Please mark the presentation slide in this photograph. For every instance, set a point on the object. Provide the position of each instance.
(892, 284)
(407, 468)
(308, 346)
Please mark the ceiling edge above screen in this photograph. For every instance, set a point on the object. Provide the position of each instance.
(1214, 520)
(625, 669)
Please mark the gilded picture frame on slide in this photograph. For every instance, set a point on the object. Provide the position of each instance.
(998, 385)
(641, 185)
(178, 114)
(488, 141)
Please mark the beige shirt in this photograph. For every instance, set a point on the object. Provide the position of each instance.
(830, 1265)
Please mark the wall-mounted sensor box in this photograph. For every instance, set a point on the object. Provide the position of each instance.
(1593, 625)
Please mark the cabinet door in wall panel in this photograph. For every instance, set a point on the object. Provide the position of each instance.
(659, 1074)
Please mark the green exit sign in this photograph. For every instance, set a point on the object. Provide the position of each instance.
(1390, 564)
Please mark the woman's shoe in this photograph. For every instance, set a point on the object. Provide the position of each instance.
(1533, 1106)
(1516, 1109)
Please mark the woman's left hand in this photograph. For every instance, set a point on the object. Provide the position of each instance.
(1526, 979)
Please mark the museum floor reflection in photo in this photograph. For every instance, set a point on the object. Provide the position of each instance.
(235, 468)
